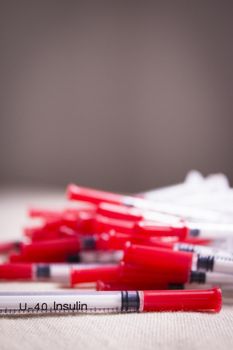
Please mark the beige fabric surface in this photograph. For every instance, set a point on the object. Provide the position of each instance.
(123, 331)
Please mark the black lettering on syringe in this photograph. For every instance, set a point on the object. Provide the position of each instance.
(77, 306)
(21, 308)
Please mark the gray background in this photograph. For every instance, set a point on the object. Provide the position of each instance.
(119, 95)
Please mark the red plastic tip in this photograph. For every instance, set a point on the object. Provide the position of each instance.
(92, 196)
(16, 272)
(183, 300)
(161, 260)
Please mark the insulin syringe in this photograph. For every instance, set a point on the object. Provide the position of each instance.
(60, 302)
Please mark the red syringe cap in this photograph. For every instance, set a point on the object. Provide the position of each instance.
(183, 300)
(16, 271)
(92, 196)
(35, 212)
(197, 241)
(91, 275)
(152, 228)
(105, 224)
(51, 250)
(6, 247)
(118, 285)
(159, 259)
(120, 212)
(139, 274)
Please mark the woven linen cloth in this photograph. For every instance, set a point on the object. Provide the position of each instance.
(147, 331)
